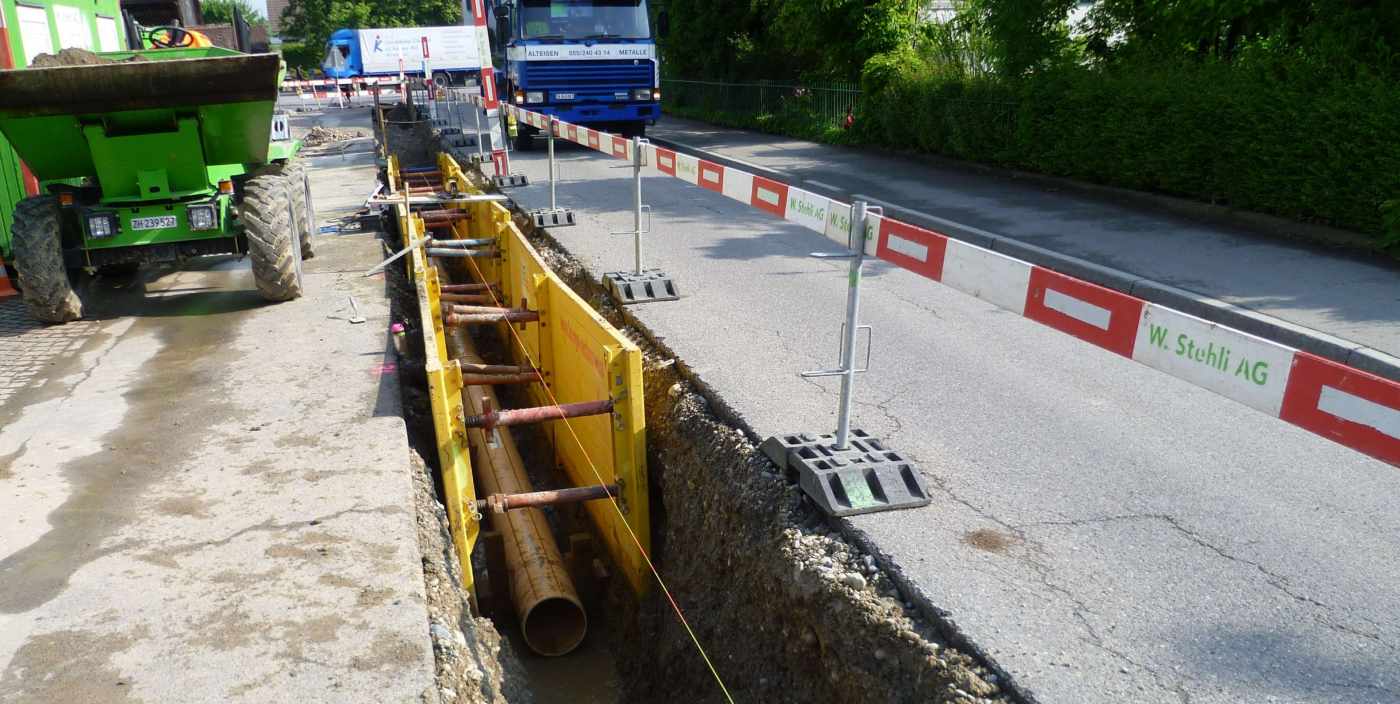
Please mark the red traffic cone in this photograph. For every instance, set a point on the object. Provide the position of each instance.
(6, 288)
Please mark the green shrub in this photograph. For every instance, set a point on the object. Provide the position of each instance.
(303, 56)
(1275, 137)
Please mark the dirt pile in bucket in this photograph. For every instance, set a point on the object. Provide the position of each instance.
(75, 57)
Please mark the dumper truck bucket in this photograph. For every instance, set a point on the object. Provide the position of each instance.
(43, 111)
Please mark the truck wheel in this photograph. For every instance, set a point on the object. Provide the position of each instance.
(300, 185)
(270, 229)
(38, 250)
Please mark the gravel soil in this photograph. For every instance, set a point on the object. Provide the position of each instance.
(474, 664)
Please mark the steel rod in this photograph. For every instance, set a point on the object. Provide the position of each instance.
(466, 288)
(462, 253)
(497, 379)
(848, 350)
(444, 215)
(500, 503)
(477, 309)
(455, 243)
(465, 298)
(539, 414)
(468, 367)
(522, 316)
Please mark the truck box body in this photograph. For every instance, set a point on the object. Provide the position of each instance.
(353, 53)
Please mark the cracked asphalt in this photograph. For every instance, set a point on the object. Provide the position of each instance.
(1105, 533)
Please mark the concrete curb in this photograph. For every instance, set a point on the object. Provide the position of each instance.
(1202, 306)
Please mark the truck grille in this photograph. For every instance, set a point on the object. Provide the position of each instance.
(588, 76)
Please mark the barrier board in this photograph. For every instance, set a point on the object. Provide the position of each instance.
(1344, 404)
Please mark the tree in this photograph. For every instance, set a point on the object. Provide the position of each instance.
(221, 12)
(313, 20)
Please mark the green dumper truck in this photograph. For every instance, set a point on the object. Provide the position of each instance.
(153, 156)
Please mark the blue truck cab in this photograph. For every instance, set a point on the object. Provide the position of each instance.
(343, 55)
(589, 62)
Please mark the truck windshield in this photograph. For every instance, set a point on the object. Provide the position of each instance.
(584, 19)
(336, 55)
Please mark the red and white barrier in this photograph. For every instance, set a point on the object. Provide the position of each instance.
(1344, 404)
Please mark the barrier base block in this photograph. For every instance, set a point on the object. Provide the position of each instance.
(511, 181)
(553, 217)
(649, 286)
(866, 477)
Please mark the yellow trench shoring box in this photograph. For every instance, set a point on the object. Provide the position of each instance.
(582, 358)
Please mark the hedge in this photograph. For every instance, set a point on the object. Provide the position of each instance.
(1289, 139)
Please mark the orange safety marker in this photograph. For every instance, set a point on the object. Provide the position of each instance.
(7, 289)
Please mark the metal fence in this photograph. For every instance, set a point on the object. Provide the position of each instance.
(825, 105)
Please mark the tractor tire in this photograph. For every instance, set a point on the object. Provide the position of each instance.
(269, 226)
(36, 236)
(300, 185)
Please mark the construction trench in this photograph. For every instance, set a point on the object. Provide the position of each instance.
(785, 602)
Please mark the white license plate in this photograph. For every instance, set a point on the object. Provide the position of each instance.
(563, 96)
(159, 222)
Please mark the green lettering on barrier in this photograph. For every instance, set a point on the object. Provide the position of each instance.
(808, 209)
(1157, 335)
(1258, 372)
(1216, 357)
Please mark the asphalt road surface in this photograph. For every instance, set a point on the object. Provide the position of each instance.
(1105, 532)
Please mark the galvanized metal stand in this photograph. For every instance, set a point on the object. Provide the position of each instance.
(851, 472)
(504, 178)
(639, 285)
(476, 117)
(553, 216)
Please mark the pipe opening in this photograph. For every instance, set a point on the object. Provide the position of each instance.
(555, 626)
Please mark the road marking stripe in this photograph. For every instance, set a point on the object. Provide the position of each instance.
(821, 184)
(1361, 411)
(1083, 311)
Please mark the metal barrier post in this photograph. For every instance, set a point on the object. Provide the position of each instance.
(848, 345)
(851, 472)
(553, 203)
(476, 117)
(639, 285)
(637, 202)
(553, 216)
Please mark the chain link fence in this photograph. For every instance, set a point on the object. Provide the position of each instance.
(822, 106)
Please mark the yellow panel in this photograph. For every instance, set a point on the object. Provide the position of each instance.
(445, 395)
(583, 358)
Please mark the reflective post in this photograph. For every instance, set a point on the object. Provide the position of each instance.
(848, 350)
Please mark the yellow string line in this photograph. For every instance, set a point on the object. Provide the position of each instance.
(611, 499)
